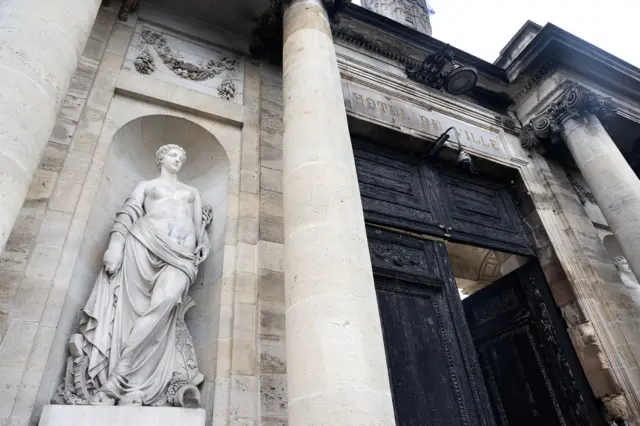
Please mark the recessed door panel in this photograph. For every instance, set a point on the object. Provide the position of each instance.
(392, 191)
(480, 211)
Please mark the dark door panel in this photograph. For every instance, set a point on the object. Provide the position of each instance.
(480, 211)
(434, 375)
(422, 195)
(392, 191)
(531, 372)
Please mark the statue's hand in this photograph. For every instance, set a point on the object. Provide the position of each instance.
(201, 253)
(113, 259)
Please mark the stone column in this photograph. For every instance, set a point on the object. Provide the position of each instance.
(40, 43)
(336, 364)
(614, 185)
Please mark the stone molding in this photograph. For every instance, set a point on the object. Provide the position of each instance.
(574, 101)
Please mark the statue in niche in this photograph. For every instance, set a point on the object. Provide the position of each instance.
(132, 346)
(626, 274)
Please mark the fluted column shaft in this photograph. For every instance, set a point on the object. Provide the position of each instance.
(336, 365)
(613, 183)
(40, 43)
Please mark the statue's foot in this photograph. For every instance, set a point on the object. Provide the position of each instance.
(131, 398)
(101, 398)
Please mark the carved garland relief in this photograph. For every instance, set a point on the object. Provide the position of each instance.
(168, 57)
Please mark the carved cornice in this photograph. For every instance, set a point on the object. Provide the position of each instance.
(574, 101)
(352, 37)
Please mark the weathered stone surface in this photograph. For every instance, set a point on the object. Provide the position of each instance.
(272, 228)
(270, 179)
(273, 396)
(271, 203)
(53, 156)
(271, 158)
(272, 355)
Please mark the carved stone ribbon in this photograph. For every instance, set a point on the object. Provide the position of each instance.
(575, 101)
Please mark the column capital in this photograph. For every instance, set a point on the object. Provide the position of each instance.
(267, 34)
(574, 101)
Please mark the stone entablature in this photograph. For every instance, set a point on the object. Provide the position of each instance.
(382, 109)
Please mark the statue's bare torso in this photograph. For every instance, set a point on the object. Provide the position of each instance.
(170, 208)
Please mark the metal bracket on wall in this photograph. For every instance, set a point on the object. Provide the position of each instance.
(439, 71)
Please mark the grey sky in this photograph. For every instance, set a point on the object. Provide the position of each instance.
(483, 27)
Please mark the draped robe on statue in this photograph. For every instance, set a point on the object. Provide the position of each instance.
(129, 337)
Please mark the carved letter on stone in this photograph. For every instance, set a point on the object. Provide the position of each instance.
(132, 346)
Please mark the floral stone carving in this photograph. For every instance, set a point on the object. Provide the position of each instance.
(132, 346)
(155, 48)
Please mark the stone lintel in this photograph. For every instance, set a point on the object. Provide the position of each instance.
(96, 415)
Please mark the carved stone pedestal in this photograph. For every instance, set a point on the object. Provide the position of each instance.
(93, 415)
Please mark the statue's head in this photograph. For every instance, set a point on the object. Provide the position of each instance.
(622, 264)
(171, 157)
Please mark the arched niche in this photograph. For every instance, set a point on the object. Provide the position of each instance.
(131, 159)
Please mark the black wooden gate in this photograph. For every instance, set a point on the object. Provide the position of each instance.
(433, 371)
(531, 372)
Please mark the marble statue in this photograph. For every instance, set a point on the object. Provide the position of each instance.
(132, 346)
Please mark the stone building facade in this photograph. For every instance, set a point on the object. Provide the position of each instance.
(269, 100)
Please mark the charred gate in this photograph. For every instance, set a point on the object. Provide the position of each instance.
(501, 358)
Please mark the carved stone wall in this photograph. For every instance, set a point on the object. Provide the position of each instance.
(412, 13)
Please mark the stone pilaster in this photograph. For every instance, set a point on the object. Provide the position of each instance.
(40, 43)
(336, 364)
(575, 118)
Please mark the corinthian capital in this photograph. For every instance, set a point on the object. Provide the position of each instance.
(574, 102)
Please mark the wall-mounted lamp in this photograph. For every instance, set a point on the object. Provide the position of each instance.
(438, 70)
(464, 159)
